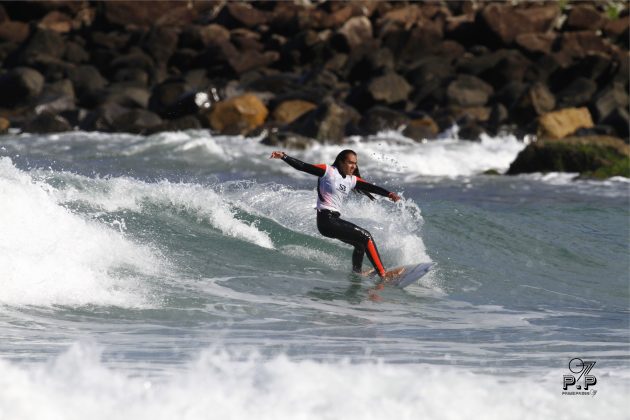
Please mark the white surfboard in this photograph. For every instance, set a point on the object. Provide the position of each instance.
(411, 274)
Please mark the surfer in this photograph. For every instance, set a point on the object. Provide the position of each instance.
(333, 186)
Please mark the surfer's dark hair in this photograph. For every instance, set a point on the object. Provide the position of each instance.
(341, 157)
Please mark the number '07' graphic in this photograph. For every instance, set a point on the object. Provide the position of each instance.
(582, 367)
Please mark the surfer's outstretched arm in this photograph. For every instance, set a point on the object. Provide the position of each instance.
(317, 170)
(371, 188)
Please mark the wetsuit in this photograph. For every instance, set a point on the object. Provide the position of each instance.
(332, 189)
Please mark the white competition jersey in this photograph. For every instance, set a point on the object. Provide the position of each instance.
(332, 189)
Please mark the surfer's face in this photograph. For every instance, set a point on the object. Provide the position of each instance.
(348, 165)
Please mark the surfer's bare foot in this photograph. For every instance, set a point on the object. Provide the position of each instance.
(393, 273)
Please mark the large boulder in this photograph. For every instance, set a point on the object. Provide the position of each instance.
(20, 85)
(353, 33)
(594, 156)
(238, 115)
(288, 111)
(12, 31)
(4, 125)
(505, 22)
(380, 118)
(468, 91)
(46, 122)
(564, 122)
(149, 13)
(329, 122)
(86, 80)
(137, 121)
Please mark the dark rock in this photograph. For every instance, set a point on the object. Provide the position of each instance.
(468, 91)
(56, 97)
(43, 42)
(430, 76)
(504, 22)
(584, 17)
(184, 59)
(596, 67)
(510, 66)
(135, 75)
(150, 13)
(123, 94)
(137, 121)
(380, 118)
(46, 122)
(390, 89)
(619, 31)
(377, 62)
(353, 34)
(470, 130)
(420, 129)
(235, 15)
(75, 53)
(580, 44)
(113, 40)
(612, 97)
(287, 140)
(86, 80)
(19, 85)
(164, 97)
(327, 123)
(161, 43)
(246, 40)
(50, 67)
(134, 59)
(102, 118)
(16, 31)
(597, 156)
(578, 93)
(188, 122)
(536, 100)
(536, 43)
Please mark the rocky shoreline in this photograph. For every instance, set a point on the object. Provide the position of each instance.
(297, 72)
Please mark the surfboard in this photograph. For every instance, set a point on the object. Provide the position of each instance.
(412, 274)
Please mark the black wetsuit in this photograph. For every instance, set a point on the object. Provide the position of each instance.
(330, 224)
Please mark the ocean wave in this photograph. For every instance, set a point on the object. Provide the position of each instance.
(78, 384)
(52, 256)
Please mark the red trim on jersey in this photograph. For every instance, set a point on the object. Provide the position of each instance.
(321, 166)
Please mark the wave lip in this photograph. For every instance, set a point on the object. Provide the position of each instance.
(52, 256)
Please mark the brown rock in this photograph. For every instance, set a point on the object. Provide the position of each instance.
(584, 17)
(57, 22)
(421, 129)
(356, 32)
(4, 125)
(536, 43)
(16, 31)
(289, 111)
(389, 88)
(468, 91)
(583, 43)
(238, 115)
(506, 22)
(149, 13)
(408, 16)
(559, 124)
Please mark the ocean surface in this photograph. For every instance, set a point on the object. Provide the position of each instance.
(181, 276)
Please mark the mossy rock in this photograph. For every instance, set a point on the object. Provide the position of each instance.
(591, 156)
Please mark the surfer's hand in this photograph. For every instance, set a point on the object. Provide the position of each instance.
(393, 196)
(277, 155)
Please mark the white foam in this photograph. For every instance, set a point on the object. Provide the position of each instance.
(49, 255)
(78, 385)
